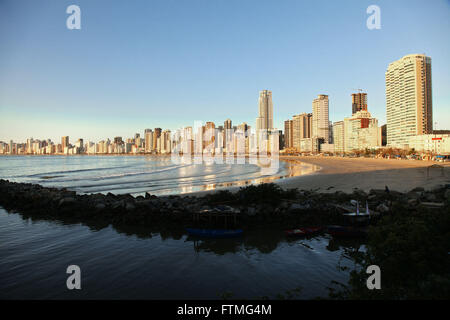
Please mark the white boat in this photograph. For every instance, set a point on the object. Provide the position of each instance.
(358, 216)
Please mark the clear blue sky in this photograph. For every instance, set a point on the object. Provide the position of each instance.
(164, 63)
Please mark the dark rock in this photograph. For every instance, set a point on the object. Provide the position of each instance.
(66, 201)
(414, 195)
(100, 206)
(378, 192)
(382, 208)
(251, 211)
(447, 194)
(431, 197)
(129, 206)
(360, 193)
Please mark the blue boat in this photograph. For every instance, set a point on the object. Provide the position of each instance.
(215, 233)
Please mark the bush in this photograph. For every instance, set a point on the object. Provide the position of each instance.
(268, 193)
(412, 251)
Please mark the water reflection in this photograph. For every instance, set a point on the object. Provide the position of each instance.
(265, 240)
(163, 262)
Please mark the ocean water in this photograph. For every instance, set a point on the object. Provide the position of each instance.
(123, 262)
(157, 175)
(140, 263)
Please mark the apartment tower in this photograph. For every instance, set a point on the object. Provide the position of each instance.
(320, 118)
(265, 118)
(359, 102)
(408, 99)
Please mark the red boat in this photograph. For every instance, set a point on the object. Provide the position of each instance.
(303, 231)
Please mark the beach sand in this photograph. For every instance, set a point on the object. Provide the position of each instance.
(345, 174)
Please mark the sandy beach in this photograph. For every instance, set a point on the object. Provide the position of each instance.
(344, 174)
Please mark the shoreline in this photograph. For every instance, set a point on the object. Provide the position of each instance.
(330, 174)
(264, 205)
(346, 174)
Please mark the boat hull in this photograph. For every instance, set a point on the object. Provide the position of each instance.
(300, 232)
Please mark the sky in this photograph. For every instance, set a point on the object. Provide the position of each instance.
(163, 63)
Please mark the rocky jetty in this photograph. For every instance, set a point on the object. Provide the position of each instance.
(265, 204)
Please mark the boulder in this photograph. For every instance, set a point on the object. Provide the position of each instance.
(66, 201)
(251, 211)
(100, 206)
(382, 208)
(359, 192)
(129, 206)
(447, 194)
(431, 197)
(414, 195)
(298, 206)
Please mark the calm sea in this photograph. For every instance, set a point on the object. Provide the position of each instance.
(141, 263)
(138, 263)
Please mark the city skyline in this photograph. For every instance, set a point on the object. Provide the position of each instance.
(86, 85)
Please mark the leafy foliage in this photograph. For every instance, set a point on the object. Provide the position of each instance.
(412, 250)
(268, 193)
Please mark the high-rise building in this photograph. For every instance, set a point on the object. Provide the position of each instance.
(359, 102)
(227, 132)
(288, 133)
(301, 129)
(209, 136)
(227, 124)
(156, 136)
(408, 99)
(79, 145)
(361, 131)
(265, 117)
(320, 118)
(148, 140)
(165, 142)
(338, 136)
(64, 143)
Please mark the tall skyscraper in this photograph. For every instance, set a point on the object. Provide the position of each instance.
(302, 128)
(408, 99)
(148, 140)
(156, 136)
(320, 118)
(265, 118)
(64, 142)
(226, 133)
(288, 133)
(227, 124)
(359, 102)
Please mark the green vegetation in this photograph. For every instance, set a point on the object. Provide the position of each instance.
(412, 249)
(266, 193)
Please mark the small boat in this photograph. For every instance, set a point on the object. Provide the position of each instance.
(303, 231)
(347, 231)
(214, 233)
(358, 216)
